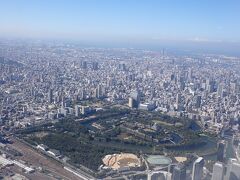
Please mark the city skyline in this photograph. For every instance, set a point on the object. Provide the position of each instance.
(120, 89)
(200, 25)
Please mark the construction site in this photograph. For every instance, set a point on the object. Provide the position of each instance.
(122, 161)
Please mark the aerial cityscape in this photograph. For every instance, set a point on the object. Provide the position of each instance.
(73, 108)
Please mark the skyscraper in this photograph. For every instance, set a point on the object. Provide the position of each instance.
(77, 110)
(50, 96)
(221, 151)
(233, 170)
(95, 65)
(198, 169)
(190, 74)
(122, 66)
(179, 102)
(198, 101)
(210, 85)
(218, 169)
(82, 94)
(130, 102)
(135, 99)
(179, 172)
(84, 65)
(99, 91)
(159, 175)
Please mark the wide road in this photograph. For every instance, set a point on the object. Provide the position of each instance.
(33, 157)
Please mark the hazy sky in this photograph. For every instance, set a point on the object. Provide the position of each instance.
(204, 21)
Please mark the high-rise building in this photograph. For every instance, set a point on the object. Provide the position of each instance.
(182, 85)
(178, 99)
(84, 64)
(50, 96)
(179, 172)
(190, 74)
(210, 85)
(218, 170)
(233, 170)
(198, 101)
(122, 66)
(99, 91)
(130, 102)
(221, 151)
(159, 175)
(220, 90)
(135, 99)
(33, 92)
(171, 167)
(81, 110)
(95, 65)
(82, 94)
(85, 109)
(179, 106)
(198, 169)
(77, 110)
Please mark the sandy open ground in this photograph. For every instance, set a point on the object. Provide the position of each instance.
(116, 161)
(180, 159)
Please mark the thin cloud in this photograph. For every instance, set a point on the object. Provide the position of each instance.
(198, 39)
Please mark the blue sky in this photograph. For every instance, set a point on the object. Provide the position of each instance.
(214, 21)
